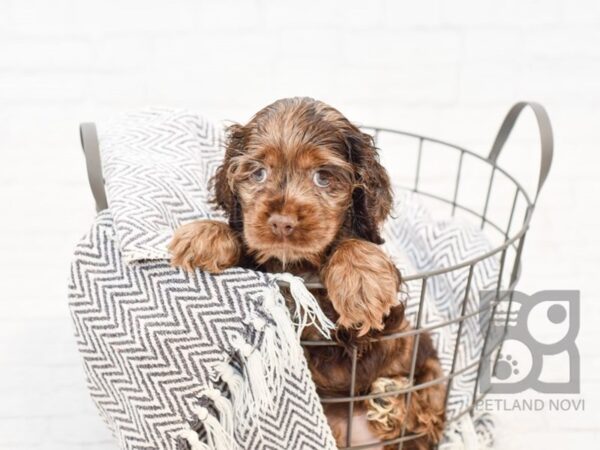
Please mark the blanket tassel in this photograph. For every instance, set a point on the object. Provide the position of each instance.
(234, 381)
(275, 352)
(307, 310)
(255, 374)
(193, 440)
(223, 407)
(239, 395)
(218, 438)
(284, 329)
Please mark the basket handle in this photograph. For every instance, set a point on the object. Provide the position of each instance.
(546, 138)
(91, 150)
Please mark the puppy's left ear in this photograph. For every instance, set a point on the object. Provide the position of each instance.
(225, 196)
(372, 196)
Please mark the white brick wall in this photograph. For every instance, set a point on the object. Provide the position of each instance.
(447, 69)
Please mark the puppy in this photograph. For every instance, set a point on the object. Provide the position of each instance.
(304, 192)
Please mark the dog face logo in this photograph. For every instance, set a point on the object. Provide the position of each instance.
(539, 350)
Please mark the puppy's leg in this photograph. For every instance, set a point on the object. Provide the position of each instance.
(362, 284)
(208, 244)
(337, 417)
(425, 414)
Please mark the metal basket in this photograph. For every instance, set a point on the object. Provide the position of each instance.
(508, 252)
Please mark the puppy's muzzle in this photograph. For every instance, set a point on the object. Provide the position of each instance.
(282, 225)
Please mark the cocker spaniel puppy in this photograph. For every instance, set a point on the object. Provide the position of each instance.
(304, 192)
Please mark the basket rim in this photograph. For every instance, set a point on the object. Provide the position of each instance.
(495, 167)
(89, 140)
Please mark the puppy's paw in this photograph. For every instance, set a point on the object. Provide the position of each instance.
(362, 284)
(207, 244)
(388, 415)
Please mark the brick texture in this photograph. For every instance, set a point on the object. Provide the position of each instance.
(445, 69)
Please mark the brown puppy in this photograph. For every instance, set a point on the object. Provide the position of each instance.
(304, 192)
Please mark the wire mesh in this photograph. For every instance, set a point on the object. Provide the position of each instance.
(511, 240)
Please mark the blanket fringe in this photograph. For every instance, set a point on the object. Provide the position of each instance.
(256, 377)
(193, 439)
(462, 435)
(272, 352)
(306, 307)
(280, 348)
(274, 304)
(223, 406)
(264, 367)
(234, 380)
(216, 435)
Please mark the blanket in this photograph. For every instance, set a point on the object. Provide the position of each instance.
(419, 243)
(193, 360)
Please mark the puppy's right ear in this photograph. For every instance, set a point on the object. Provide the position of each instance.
(224, 188)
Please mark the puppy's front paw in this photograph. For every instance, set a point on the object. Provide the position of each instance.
(208, 244)
(362, 284)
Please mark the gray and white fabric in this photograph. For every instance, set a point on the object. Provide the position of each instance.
(418, 243)
(163, 348)
(157, 164)
(177, 359)
(173, 357)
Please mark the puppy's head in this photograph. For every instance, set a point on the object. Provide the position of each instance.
(298, 176)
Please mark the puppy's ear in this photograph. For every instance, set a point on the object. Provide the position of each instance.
(372, 196)
(224, 188)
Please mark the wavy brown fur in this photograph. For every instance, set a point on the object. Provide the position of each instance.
(304, 192)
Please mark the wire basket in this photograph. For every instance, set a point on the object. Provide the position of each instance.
(510, 235)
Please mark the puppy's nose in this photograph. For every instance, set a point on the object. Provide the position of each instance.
(282, 225)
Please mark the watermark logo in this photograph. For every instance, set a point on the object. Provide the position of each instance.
(539, 334)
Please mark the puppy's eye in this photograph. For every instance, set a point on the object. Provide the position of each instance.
(322, 178)
(259, 175)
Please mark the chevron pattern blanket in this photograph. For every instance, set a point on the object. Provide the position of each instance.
(177, 360)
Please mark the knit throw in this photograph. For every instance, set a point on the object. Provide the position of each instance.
(178, 360)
